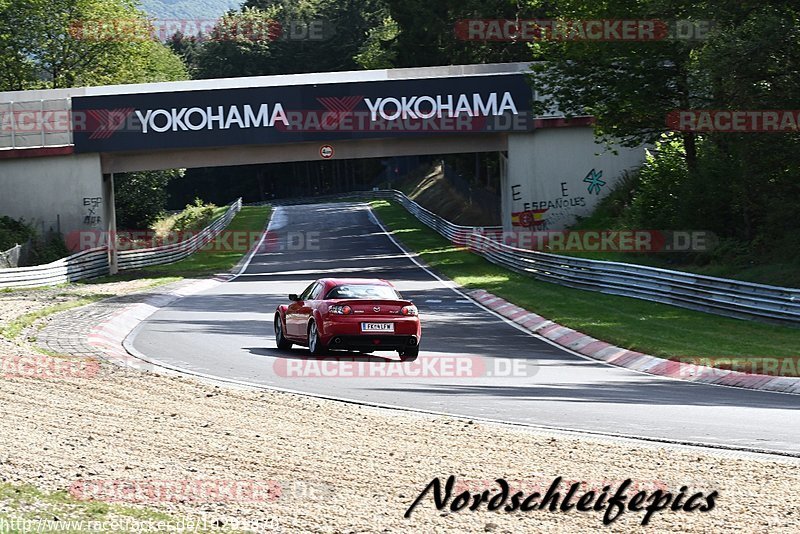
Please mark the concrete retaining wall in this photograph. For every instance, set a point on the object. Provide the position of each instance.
(560, 171)
(60, 192)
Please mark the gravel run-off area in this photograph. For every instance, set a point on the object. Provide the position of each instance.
(325, 466)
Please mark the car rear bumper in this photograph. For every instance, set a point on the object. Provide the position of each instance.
(350, 326)
(373, 342)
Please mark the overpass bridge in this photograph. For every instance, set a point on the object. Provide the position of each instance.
(59, 149)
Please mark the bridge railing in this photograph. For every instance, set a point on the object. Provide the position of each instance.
(721, 296)
(94, 262)
(35, 123)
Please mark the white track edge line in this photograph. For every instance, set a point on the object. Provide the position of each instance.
(455, 287)
(127, 344)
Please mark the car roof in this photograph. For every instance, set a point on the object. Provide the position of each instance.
(354, 281)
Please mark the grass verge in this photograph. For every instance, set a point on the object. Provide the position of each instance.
(652, 328)
(23, 508)
(15, 327)
(220, 256)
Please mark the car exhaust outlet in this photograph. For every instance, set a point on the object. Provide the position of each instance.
(412, 341)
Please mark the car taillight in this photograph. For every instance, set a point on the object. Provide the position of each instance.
(409, 310)
(341, 310)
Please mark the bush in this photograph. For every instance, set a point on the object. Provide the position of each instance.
(747, 203)
(659, 192)
(141, 197)
(46, 249)
(13, 232)
(194, 217)
(612, 209)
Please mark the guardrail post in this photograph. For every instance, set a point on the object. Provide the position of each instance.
(111, 221)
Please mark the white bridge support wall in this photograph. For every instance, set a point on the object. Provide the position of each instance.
(547, 168)
(55, 192)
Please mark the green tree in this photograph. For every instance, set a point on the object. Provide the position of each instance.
(15, 68)
(345, 25)
(67, 43)
(241, 44)
(141, 197)
(749, 60)
(427, 36)
(628, 86)
(380, 50)
(186, 47)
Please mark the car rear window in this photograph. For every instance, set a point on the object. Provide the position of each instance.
(363, 291)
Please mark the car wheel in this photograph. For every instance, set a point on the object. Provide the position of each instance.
(409, 355)
(314, 342)
(280, 339)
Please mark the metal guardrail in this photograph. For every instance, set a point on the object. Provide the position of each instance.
(721, 296)
(137, 258)
(94, 262)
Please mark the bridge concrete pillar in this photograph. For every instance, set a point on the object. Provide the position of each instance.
(556, 175)
(110, 215)
(505, 199)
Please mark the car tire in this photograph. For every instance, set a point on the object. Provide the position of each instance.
(315, 345)
(409, 355)
(280, 339)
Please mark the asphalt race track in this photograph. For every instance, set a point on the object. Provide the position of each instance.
(472, 363)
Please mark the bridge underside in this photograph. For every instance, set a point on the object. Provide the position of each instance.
(548, 176)
(253, 154)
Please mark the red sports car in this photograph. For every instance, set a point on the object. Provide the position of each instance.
(360, 314)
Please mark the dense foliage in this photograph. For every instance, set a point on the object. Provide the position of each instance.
(742, 186)
(69, 43)
(37, 249)
(141, 197)
(195, 216)
(14, 232)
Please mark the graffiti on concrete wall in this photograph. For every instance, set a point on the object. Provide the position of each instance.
(594, 179)
(92, 215)
(541, 214)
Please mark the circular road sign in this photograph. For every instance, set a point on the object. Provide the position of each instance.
(326, 151)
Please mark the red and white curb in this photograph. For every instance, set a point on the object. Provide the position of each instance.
(108, 335)
(606, 352)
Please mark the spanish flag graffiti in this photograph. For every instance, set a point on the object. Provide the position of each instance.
(528, 218)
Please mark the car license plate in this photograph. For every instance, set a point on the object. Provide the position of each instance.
(377, 327)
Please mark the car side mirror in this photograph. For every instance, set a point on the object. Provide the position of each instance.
(293, 296)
